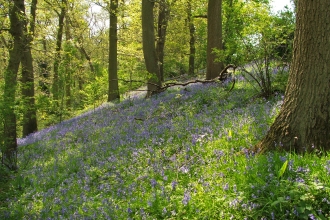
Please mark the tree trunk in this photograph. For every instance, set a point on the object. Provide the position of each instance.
(214, 38)
(192, 41)
(149, 50)
(228, 29)
(85, 54)
(44, 74)
(162, 26)
(303, 123)
(30, 112)
(113, 90)
(9, 151)
(68, 69)
(59, 39)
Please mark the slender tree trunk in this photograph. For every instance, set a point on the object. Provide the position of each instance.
(149, 50)
(44, 74)
(214, 38)
(303, 123)
(192, 41)
(30, 112)
(9, 152)
(68, 71)
(85, 54)
(59, 39)
(228, 29)
(113, 91)
(162, 26)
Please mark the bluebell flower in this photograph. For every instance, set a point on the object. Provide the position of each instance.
(153, 183)
(164, 211)
(186, 198)
(312, 217)
(226, 187)
(174, 184)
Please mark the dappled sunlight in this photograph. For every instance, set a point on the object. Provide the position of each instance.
(184, 152)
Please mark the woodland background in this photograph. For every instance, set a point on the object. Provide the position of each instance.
(69, 43)
(253, 144)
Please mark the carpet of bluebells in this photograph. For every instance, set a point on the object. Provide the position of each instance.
(182, 154)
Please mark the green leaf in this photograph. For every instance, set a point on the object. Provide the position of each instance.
(282, 170)
(279, 200)
(229, 133)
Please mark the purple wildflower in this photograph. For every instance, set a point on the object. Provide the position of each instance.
(129, 210)
(186, 198)
(226, 187)
(153, 183)
(164, 211)
(312, 217)
(174, 184)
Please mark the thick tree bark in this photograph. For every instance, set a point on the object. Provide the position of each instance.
(214, 38)
(59, 39)
(303, 123)
(149, 50)
(113, 90)
(162, 26)
(30, 112)
(192, 41)
(9, 152)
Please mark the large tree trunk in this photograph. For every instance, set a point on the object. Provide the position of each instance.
(303, 123)
(162, 26)
(214, 38)
(113, 90)
(192, 40)
(59, 39)
(9, 152)
(30, 112)
(149, 50)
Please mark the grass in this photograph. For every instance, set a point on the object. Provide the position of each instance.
(179, 155)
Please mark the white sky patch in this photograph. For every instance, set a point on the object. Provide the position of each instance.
(278, 5)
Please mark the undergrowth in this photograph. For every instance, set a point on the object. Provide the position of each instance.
(180, 155)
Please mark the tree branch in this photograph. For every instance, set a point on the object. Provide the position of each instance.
(200, 16)
(222, 77)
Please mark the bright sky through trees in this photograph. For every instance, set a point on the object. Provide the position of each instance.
(278, 5)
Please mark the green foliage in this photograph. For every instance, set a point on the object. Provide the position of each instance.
(194, 165)
(242, 21)
(1, 116)
(233, 26)
(268, 48)
(283, 168)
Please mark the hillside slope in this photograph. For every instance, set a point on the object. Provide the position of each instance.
(171, 156)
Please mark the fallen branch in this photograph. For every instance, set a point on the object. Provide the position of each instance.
(222, 77)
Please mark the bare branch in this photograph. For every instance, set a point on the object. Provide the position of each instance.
(200, 16)
(222, 76)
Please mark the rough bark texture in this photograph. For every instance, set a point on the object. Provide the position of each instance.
(162, 27)
(30, 112)
(303, 123)
(192, 41)
(214, 38)
(9, 151)
(149, 50)
(113, 90)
